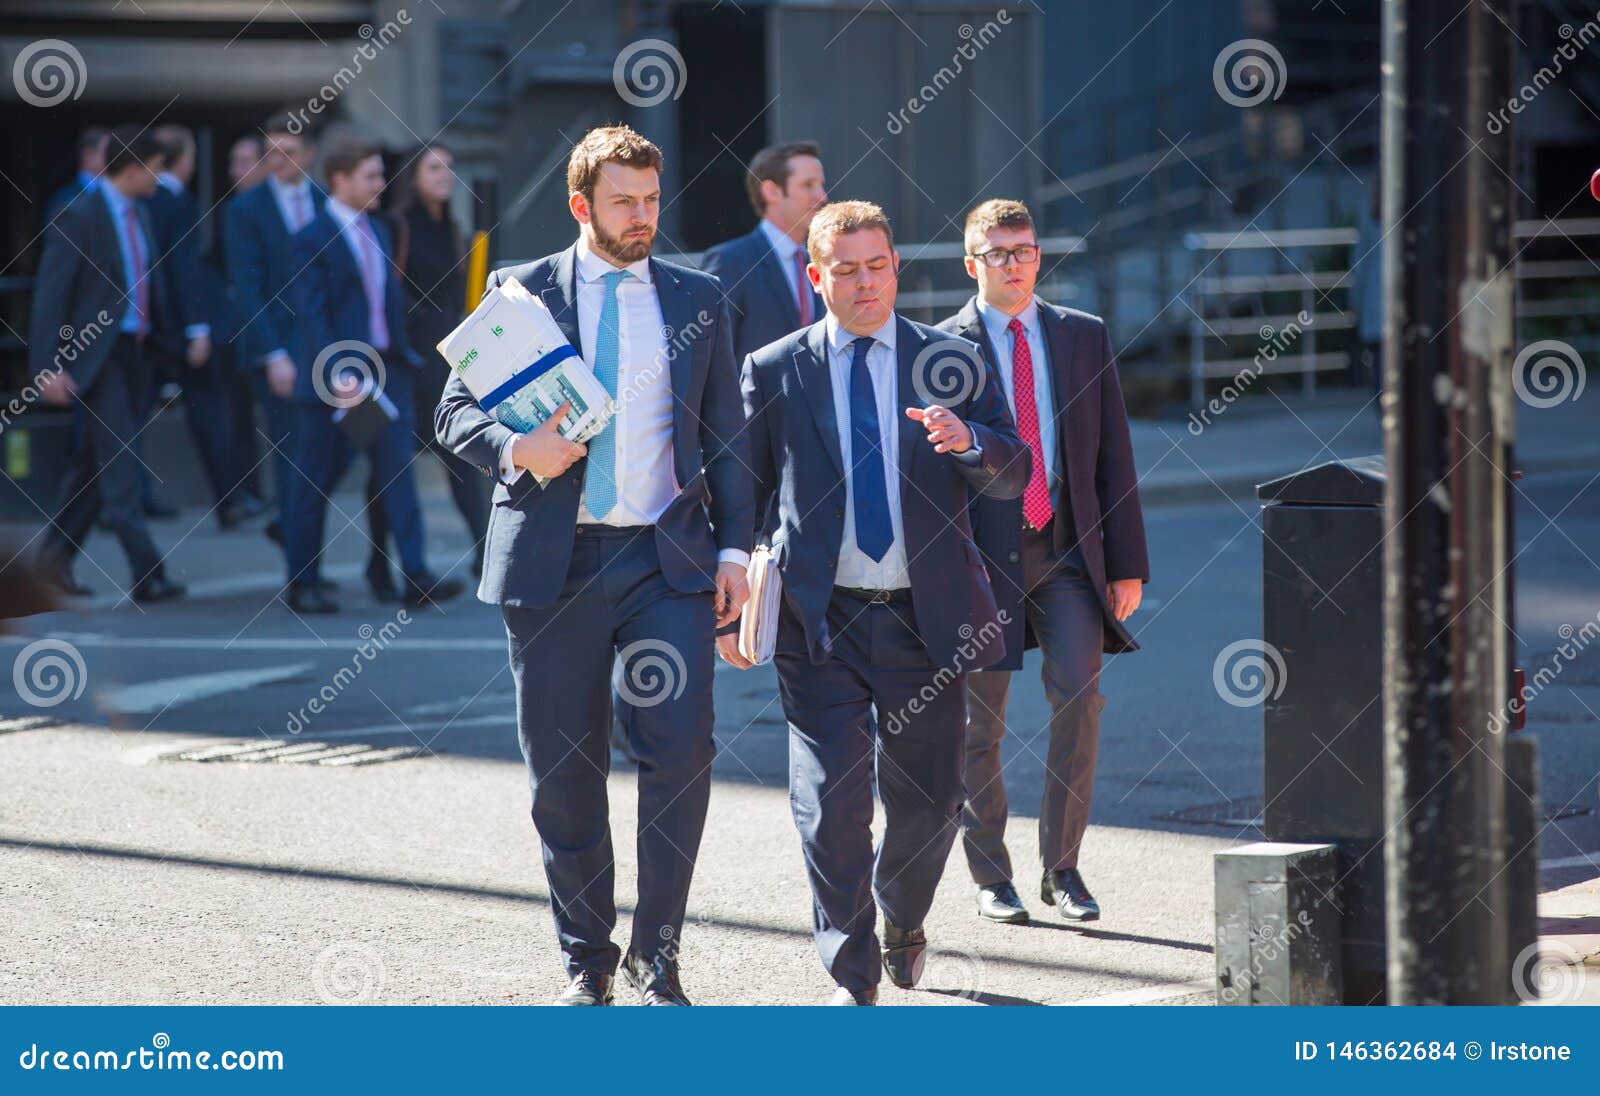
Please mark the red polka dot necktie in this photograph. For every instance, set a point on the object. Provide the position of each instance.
(1036, 496)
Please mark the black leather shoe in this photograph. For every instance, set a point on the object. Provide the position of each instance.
(237, 511)
(588, 987)
(1065, 890)
(428, 589)
(311, 601)
(157, 588)
(656, 980)
(384, 592)
(274, 531)
(327, 586)
(1000, 903)
(842, 996)
(902, 954)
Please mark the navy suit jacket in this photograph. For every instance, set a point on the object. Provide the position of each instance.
(261, 267)
(795, 451)
(175, 218)
(1101, 483)
(81, 278)
(529, 544)
(760, 299)
(330, 304)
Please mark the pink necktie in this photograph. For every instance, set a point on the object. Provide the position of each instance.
(1036, 496)
(302, 211)
(803, 292)
(141, 284)
(372, 282)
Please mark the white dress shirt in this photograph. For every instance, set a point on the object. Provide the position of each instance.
(785, 249)
(646, 480)
(998, 325)
(856, 568)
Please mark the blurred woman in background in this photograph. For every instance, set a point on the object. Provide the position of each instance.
(430, 255)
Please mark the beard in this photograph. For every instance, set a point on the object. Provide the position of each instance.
(624, 251)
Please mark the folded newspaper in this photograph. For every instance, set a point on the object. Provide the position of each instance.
(758, 626)
(513, 358)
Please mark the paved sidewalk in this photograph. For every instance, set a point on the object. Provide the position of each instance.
(1568, 972)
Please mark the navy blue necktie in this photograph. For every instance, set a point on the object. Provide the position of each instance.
(874, 531)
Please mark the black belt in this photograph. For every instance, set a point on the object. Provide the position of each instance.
(901, 596)
(610, 530)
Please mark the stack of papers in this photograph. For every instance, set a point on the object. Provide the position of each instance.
(758, 625)
(513, 358)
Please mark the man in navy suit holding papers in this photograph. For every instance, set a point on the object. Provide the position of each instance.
(871, 433)
(635, 548)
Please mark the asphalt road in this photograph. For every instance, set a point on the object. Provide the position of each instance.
(181, 827)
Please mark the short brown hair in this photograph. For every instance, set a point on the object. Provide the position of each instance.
(995, 213)
(176, 142)
(840, 219)
(772, 164)
(346, 154)
(607, 145)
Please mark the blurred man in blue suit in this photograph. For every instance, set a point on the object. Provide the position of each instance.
(350, 320)
(869, 435)
(763, 272)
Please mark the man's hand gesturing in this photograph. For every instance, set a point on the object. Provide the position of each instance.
(543, 451)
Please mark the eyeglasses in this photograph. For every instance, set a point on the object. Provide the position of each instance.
(1024, 254)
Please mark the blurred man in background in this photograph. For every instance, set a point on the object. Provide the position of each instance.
(99, 302)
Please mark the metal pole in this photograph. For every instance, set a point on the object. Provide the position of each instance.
(1447, 425)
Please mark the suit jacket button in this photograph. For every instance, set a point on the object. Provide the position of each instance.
(832, 562)
(838, 511)
(1014, 557)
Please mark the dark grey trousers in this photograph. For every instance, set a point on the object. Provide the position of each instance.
(1064, 612)
(615, 601)
(878, 662)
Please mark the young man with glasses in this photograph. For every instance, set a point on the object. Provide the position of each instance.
(1067, 560)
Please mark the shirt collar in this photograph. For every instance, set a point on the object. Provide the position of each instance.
(170, 182)
(114, 197)
(780, 241)
(1000, 321)
(341, 212)
(286, 189)
(839, 339)
(591, 267)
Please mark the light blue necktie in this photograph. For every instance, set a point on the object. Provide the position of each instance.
(600, 481)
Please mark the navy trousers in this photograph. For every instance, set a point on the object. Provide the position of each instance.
(322, 453)
(615, 603)
(875, 703)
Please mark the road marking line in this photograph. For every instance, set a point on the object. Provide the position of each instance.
(150, 697)
(1582, 860)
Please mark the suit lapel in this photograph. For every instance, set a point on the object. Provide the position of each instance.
(908, 343)
(1066, 385)
(770, 270)
(676, 317)
(974, 330)
(811, 368)
(561, 296)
